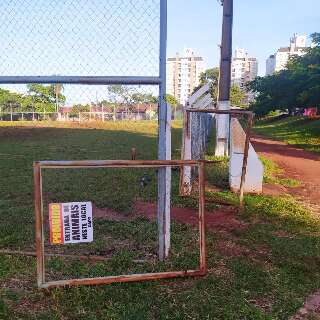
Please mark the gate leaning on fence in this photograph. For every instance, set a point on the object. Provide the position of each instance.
(196, 131)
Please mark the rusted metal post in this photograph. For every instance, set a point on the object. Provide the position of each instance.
(133, 153)
(39, 223)
(245, 159)
(202, 223)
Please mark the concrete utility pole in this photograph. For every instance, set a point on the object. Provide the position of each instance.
(222, 121)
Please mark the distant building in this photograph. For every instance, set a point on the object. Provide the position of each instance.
(244, 68)
(183, 74)
(279, 60)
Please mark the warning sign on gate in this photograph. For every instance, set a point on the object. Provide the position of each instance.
(70, 222)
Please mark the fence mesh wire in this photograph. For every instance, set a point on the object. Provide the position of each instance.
(79, 37)
(200, 130)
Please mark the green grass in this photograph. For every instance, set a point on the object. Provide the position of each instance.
(273, 174)
(298, 131)
(275, 266)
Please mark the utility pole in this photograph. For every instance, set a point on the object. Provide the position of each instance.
(222, 121)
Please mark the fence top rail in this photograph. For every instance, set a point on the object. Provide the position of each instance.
(232, 111)
(117, 163)
(89, 80)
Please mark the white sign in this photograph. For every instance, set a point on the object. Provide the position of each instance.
(70, 222)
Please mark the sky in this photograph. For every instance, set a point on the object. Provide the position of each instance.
(260, 26)
(121, 37)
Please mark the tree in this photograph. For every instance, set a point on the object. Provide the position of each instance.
(45, 97)
(119, 95)
(296, 86)
(237, 96)
(80, 108)
(10, 100)
(173, 102)
(58, 88)
(144, 98)
(210, 76)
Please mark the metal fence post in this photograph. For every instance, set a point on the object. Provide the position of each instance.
(164, 144)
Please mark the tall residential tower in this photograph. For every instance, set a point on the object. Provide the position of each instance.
(279, 60)
(244, 68)
(183, 74)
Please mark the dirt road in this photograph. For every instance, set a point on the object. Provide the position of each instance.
(298, 164)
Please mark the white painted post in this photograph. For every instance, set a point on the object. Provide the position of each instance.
(222, 130)
(222, 121)
(185, 178)
(164, 145)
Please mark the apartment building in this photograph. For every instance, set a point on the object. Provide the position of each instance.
(183, 74)
(279, 60)
(244, 68)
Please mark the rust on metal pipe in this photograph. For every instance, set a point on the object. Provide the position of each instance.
(122, 278)
(39, 223)
(231, 111)
(115, 164)
(202, 223)
(245, 159)
(133, 153)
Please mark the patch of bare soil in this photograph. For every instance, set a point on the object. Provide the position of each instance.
(297, 164)
(231, 249)
(109, 214)
(310, 310)
(221, 219)
(274, 189)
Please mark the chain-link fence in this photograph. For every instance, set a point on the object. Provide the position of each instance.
(76, 39)
(80, 37)
(197, 128)
(200, 130)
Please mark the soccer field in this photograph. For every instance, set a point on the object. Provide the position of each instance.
(262, 263)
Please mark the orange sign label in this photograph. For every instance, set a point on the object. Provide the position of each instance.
(55, 218)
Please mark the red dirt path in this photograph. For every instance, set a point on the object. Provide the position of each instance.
(298, 164)
(219, 220)
(222, 219)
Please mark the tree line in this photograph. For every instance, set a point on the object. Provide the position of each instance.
(48, 98)
(39, 98)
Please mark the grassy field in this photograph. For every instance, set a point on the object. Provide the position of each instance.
(299, 131)
(262, 269)
(275, 175)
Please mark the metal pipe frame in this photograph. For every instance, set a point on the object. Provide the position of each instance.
(39, 226)
(164, 143)
(236, 112)
(164, 134)
(89, 80)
